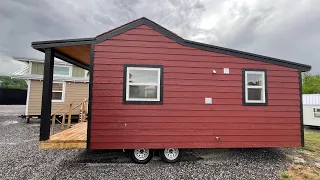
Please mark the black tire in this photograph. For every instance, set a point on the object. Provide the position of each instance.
(141, 160)
(171, 160)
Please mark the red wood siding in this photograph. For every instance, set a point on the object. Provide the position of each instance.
(184, 121)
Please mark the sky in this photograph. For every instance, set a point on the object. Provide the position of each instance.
(285, 29)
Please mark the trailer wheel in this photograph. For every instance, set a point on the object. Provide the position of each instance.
(170, 155)
(141, 156)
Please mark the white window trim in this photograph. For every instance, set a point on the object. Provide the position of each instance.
(63, 92)
(28, 97)
(151, 84)
(70, 71)
(263, 87)
(85, 74)
(314, 112)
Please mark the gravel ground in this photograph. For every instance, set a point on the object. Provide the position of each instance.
(12, 110)
(21, 159)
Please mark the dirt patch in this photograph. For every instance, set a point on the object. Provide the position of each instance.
(306, 160)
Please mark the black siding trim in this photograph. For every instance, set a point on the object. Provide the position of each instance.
(301, 111)
(90, 97)
(244, 103)
(124, 101)
(46, 94)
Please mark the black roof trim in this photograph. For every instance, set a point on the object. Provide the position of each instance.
(62, 42)
(246, 55)
(174, 37)
(198, 45)
(135, 24)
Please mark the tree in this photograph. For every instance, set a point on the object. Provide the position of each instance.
(7, 82)
(310, 84)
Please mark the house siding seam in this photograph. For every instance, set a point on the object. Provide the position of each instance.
(184, 120)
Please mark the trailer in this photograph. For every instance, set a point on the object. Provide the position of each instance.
(150, 89)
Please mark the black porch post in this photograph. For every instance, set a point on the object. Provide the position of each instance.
(46, 94)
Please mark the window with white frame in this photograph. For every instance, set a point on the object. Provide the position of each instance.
(143, 85)
(316, 113)
(254, 87)
(58, 91)
(62, 70)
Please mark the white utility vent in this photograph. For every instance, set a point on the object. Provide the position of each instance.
(208, 100)
(226, 70)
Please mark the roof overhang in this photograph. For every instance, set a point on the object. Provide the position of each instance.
(77, 51)
(55, 78)
(73, 51)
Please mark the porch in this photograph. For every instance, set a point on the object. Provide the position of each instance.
(78, 52)
(74, 137)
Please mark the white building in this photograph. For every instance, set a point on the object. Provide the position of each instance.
(311, 109)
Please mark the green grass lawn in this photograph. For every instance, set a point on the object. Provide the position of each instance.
(311, 153)
(312, 142)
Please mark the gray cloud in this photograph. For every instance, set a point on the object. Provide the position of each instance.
(282, 29)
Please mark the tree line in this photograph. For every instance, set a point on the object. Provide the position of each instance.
(7, 82)
(310, 83)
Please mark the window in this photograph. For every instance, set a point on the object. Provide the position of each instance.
(58, 92)
(316, 113)
(254, 87)
(62, 70)
(143, 84)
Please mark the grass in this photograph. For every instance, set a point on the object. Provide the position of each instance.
(284, 175)
(312, 142)
(311, 153)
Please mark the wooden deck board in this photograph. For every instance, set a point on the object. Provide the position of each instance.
(75, 137)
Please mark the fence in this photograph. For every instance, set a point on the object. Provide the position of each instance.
(13, 96)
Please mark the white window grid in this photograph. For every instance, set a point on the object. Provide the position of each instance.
(70, 70)
(263, 98)
(63, 91)
(128, 83)
(314, 112)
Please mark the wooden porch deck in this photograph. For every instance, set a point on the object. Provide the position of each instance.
(74, 137)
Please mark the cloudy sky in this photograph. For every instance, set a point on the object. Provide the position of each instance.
(286, 29)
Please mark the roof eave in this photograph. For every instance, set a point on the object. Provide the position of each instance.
(55, 78)
(250, 56)
(64, 42)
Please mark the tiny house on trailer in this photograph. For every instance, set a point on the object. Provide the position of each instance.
(311, 109)
(70, 84)
(151, 89)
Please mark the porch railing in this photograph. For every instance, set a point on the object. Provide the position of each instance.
(83, 110)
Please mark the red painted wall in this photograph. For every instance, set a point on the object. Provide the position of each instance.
(184, 121)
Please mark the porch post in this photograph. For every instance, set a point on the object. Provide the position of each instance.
(90, 97)
(46, 94)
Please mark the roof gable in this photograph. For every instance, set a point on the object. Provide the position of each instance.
(144, 21)
(197, 45)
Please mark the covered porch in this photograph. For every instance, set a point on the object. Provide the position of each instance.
(78, 52)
